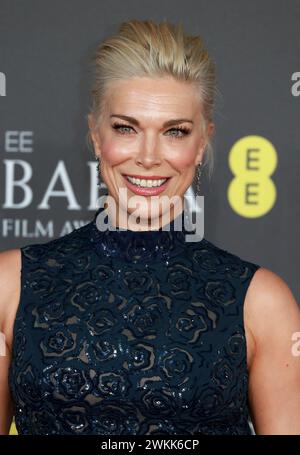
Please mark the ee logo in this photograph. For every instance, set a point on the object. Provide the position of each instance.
(252, 160)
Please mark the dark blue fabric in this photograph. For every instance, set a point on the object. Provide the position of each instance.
(125, 332)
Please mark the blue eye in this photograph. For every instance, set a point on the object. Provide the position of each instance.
(118, 126)
(181, 129)
(124, 129)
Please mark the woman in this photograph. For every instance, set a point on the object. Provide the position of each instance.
(135, 330)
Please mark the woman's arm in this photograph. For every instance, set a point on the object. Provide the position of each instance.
(273, 316)
(6, 408)
(10, 265)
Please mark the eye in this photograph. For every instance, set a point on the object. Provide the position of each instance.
(180, 129)
(122, 128)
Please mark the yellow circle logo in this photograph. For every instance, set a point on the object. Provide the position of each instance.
(252, 160)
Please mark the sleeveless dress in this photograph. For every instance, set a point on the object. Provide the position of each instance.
(130, 332)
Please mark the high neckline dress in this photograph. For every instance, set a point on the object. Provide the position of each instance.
(122, 332)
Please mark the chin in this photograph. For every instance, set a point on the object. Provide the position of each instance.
(146, 215)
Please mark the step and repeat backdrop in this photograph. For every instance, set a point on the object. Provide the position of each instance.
(48, 176)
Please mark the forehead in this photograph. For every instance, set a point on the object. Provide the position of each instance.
(147, 95)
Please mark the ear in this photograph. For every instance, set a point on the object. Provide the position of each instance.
(209, 132)
(94, 135)
(211, 129)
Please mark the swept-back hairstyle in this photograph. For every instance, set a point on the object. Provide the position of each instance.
(146, 48)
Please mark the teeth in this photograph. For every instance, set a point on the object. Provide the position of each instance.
(146, 183)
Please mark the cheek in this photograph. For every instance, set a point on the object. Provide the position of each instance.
(181, 158)
(184, 159)
(114, 153)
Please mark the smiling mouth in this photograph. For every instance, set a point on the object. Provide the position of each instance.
(147, 182)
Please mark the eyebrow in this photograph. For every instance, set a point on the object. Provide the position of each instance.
(167, 123)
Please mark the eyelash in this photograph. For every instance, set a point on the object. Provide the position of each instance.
(183, 129)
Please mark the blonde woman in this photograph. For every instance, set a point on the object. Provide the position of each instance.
(134, 330)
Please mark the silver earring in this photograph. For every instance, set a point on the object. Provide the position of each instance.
(98, 170)
(198, 178)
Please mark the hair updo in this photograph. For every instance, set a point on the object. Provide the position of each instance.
(146, 48)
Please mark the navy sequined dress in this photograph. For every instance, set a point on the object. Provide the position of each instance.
(126, 332)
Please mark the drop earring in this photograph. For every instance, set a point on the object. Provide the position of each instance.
(98, 171)
(198, 178)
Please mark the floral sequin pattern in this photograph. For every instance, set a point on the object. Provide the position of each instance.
(130, 333)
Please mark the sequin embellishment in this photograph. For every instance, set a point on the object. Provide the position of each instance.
(121, 333)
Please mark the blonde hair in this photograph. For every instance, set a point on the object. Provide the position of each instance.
(146, 48)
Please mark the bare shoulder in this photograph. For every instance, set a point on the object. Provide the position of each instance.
(271, 309)
(273, 319)
(10, 283)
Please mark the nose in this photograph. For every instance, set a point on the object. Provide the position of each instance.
(148, 154)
